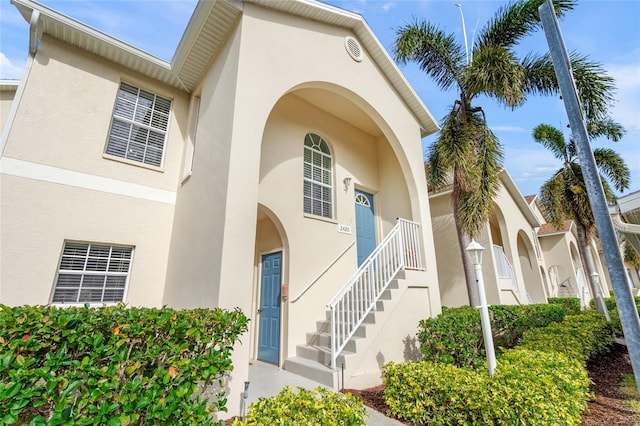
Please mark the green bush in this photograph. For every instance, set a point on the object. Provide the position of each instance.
(114, 365)
(528, 387)
(455, 336)
(306, 408)
(509, 322)
(578, 336)
(610, 302)
(571, 305)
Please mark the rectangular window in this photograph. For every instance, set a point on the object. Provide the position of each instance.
(92, 273)
(139, 126)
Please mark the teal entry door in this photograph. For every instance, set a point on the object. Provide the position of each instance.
(365, 225)
(269, 330)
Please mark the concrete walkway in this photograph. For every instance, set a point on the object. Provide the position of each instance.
(268, 380)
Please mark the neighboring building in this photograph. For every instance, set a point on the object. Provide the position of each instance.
(258, 169)
(563, 264)
(512, 266)
(625, 215)
(8, 90)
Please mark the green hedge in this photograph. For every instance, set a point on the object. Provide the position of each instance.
(578, 336)
(114, 365)
(543, 381)
(533, 388)
(571, 305)
(610, 302)
(455, 336)
(317, 407)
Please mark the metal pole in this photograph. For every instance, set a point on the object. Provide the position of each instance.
(624, 299)
(464, 32)
(485, 322)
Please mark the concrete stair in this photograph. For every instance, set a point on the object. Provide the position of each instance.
(313, 359)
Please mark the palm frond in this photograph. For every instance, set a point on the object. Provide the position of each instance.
(551, 194)
(540, 76)
(436, 53)
(552, 139)
(607, 128)
(497, 73)
(476, 202)
(613, 167)
(455, 148)
(514, 21)
(595, 87)
(436, 168)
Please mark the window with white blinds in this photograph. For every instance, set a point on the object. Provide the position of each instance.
(318, 177)
(139, 126)
(92, 273)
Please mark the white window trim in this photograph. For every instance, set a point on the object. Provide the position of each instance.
(84, 273)
(150, 127)
(331, 218)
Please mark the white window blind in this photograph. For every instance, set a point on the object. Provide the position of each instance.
(139, 126)
(318, 177)
(92, 273)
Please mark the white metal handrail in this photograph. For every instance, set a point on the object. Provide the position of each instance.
(399, 250)
(505, 270)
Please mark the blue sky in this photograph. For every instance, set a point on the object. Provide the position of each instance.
(607, 31)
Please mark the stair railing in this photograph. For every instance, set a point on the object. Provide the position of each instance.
(399, 250)
(505, 270)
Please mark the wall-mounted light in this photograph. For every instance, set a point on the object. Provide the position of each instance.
(346, 181)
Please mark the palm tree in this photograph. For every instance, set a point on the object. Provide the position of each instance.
(467, 154)
(564, 195)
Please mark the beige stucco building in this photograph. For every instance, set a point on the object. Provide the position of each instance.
(264, 167)
(512, 266)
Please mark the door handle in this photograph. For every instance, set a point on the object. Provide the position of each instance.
(259, 310)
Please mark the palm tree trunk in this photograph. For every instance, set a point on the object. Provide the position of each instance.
(589, 267)
(469, 272)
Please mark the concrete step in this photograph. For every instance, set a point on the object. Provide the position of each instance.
(324, 340)
(322, 355)
(312, 370)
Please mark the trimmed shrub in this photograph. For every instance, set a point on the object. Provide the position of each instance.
(114, 365)
(529, 387)
(455, 336)
(610, 302)
(578, 336)
(571, 305)
(306, 407)
(509, 322)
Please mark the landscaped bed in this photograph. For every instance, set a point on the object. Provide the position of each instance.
(609, 406)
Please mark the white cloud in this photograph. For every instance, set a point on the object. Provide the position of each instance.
(627, 107)
(9, 70)
(388, 6)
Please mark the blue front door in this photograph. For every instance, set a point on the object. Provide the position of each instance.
(365, 225)
(269, 332)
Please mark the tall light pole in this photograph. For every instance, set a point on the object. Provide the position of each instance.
(475, 252)
(464, 32)
(624, 299)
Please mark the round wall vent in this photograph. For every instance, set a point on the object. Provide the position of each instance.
(353, 49)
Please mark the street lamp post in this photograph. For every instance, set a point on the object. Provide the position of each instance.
(475, 252)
